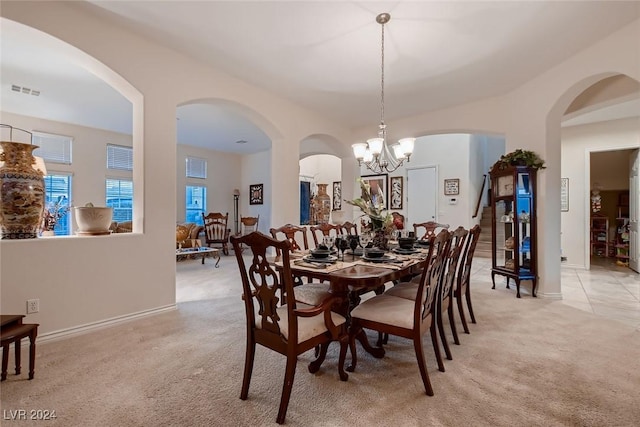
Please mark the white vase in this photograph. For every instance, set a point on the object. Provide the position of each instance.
(93, 220)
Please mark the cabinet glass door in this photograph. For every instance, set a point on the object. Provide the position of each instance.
(505, 239)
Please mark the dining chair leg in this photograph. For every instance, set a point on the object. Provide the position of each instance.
(417, 344)
(447, 351)
(462, 316)
(436, 346)
(452, 322)
(290, 372)
(344, 344)
(468, 295)
(315, 365)
(248, 368)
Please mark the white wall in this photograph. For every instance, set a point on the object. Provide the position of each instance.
(87, 280)
(256, 169)
(223, 176)
(577, 144)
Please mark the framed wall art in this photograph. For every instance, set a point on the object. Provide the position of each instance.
(378, 184)
(451, 187)
(337, 195)
(396, 192)
(256, 194)
(564, 194)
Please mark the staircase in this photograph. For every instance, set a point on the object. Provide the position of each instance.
(483, 249)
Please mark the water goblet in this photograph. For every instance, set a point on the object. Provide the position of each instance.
(354, 241)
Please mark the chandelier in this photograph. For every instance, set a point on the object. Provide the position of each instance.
(375, 153)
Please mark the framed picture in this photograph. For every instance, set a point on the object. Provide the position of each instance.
(378, 184)
(337, 195)
(256, 194)
(451, 187)
(396, 192)
(564, 194)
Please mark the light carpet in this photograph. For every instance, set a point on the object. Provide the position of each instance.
(527, 362)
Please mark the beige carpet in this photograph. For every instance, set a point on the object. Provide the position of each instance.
(528, 362)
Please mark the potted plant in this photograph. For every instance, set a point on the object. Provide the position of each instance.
(52, 214)
(519, 157)
(93, 220)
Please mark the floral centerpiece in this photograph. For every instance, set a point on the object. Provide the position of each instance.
(380, 221)
(54, 213)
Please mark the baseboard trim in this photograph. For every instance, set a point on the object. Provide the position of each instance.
(90, 327)
(550, 295)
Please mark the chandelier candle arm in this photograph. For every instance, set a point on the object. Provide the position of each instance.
(375, 153)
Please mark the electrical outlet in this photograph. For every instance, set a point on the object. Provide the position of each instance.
(33, 306)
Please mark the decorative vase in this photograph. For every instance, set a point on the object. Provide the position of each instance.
(22, 192)
(381, 239)
(93, 220)
(323, 205)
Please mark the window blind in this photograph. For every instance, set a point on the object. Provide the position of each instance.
(53, 148)
(196, 167)
(119, 157)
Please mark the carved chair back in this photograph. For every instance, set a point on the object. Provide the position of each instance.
(431, 229)
(216, 229)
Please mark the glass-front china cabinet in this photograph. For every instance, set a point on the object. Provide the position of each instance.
(513, 208)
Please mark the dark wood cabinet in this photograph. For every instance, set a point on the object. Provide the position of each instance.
(514, 236)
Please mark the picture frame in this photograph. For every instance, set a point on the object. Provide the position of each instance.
(452, 187)
(379, 187)
(397, 192)
(337, 195)
(256, 194)
(564, 194)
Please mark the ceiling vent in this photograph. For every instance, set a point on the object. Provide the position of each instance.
(25, 90)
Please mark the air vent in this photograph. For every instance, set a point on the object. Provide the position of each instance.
(242, 141)
(25, 90)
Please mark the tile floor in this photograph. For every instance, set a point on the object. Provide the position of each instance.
(606, 290)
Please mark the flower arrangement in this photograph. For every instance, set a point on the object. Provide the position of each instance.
(380, 219)
(519, 157)
(54, 212)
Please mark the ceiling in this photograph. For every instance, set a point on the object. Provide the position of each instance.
(322, 55)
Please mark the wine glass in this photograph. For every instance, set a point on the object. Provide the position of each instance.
(342, 244)
(354, 241)
(365, 239)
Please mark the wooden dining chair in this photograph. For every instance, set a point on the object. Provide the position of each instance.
(431, 229)
(321, 230)
(404, 317)
(445, 293)
(249, 224)
(292, 233)
(349, 228)
(216, 230)
(464, 275)
(289, 329)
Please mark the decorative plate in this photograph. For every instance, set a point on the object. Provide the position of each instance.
(324, 260)
(383, 258)
(404, 251)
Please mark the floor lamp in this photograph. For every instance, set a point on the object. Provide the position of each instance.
(236, 197)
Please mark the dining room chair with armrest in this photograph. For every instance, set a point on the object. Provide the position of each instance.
(216, 230)
(294, 234)
(404, 317)
(319, 231)
(349, 228)
(464, 274)
(289, 329)
(431, 228)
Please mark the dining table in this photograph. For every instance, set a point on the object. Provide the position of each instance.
(351, 277)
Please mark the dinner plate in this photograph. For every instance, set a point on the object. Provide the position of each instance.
(325, 260)
(423, 242)
(404, 251)
(383, 258)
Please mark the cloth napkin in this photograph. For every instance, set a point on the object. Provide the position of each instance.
(299, 264)
(401, 262)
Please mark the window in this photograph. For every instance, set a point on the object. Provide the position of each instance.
(53, 148)
(120, 198)
(196, 204)
(58, 191)
(119, 157)
(196, 168)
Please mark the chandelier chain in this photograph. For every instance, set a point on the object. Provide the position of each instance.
(382, 83)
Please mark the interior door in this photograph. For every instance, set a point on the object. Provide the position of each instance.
(422, 192)
(634, 210)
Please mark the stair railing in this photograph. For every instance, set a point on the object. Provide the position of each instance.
(484, 182)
